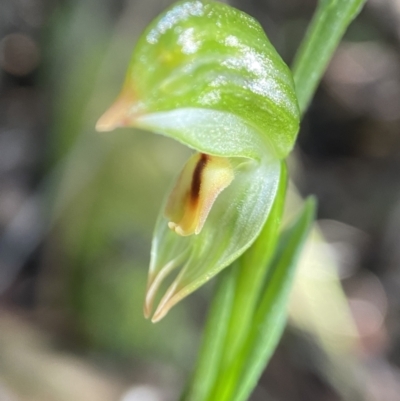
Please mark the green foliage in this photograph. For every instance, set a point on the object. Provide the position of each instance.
(207, 369)
(270, 317)
(253, 267)
(329, 23)
(242, 333)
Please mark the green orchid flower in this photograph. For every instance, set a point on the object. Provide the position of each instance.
(206, 75)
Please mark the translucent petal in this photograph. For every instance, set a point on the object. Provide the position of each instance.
(231, 227)
(208, 131)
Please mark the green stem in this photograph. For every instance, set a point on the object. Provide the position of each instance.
(270, 317)
(253, 265)
(206, 371)
(327, 27)
(224, 353)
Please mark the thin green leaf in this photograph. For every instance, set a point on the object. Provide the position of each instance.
(327, 27)
(270, 317)
(252, 271)
(206, 371)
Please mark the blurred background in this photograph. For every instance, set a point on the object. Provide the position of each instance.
(77, 209)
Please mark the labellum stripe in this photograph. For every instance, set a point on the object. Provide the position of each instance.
(197, 177)
(202, 179)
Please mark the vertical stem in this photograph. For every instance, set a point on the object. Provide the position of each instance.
(327, 27)
(206, 371)
(253, 266)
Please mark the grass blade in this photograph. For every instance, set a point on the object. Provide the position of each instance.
(270, 317)
(253, 265)
(327, 27)
(211, 350)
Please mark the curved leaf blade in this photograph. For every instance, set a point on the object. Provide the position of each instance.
(270, 317)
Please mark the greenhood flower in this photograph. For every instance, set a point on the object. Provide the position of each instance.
(206, 75)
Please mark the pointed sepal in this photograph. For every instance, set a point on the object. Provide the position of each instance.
(206, 55)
